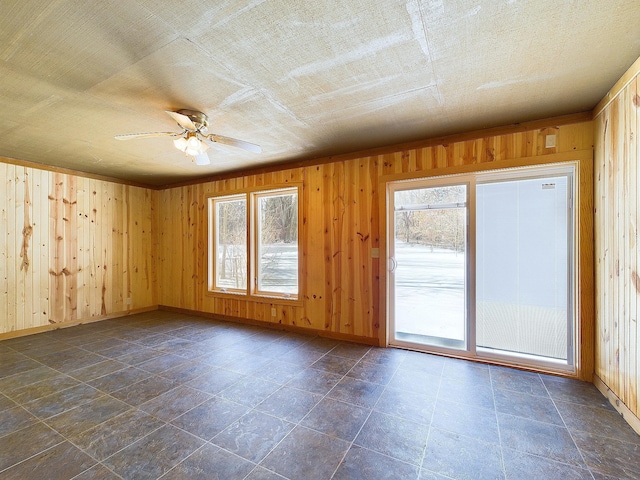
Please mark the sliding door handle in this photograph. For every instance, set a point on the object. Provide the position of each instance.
(393, 264)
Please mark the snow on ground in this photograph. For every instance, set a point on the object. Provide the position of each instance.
(430, 301)
(429, 291)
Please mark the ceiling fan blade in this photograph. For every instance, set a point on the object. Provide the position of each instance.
(184, 121)
(202, 159)
(131, 136)
(250, 147)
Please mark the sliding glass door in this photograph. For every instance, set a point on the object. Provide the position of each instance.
(429, 265)
(523, 236)
(483, 265)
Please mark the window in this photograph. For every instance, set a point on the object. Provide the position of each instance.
(277, 243)
(254, 243)
(230, 243)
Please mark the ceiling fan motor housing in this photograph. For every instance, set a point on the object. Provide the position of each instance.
(199, 119)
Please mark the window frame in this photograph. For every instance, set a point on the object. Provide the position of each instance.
(213, 203)
(256, 244)
(251, 292)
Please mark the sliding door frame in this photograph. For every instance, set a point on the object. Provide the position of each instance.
(469, 297)
(583, 281)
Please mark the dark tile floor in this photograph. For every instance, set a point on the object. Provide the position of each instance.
(162, 395)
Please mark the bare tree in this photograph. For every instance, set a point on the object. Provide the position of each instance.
(279, 219)
(428, 224)
(232, 238)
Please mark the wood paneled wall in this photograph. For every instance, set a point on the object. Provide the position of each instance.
(72, 249)
(617, 218)
(341, 202)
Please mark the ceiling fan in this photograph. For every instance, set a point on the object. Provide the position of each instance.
(191, 140)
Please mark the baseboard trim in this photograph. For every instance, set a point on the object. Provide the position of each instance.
(275, 326)
(82, 321)
(618, 404)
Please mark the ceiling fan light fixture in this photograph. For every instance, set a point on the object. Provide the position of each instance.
(202, 159)
(181, 144)
(196, 149)
(193, 143)
(192, 151)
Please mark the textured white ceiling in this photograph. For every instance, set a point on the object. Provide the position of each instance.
(301, 79)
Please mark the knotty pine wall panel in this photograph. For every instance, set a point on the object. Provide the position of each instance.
(341, 201)
(72, 249)
(617, 192)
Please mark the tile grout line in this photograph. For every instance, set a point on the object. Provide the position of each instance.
(495, 411)
(298, 423)
(433, 413)
(351, 443)
(104, 394)
(253, 409)
(567, 428)
(295, 424)
(65, 439)
(101, 462)
(35, 454)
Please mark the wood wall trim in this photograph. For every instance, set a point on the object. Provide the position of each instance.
(74, 323)
(75, 173)
(274, 326)
(618, 87)
(586, 269)
(618, 404)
